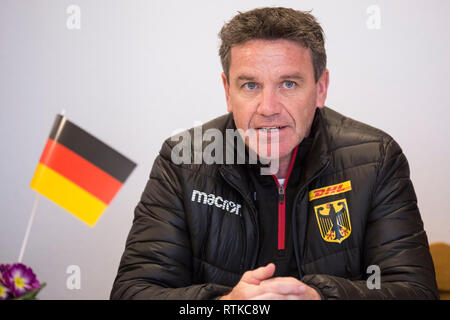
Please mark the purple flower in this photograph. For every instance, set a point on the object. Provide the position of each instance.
(4, 290)
(18, 278)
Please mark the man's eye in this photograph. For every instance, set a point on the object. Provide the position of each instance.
(289, 84)
(250, 85)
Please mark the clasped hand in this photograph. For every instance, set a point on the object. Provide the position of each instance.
(258, 285)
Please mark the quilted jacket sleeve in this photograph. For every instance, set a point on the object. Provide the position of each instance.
(157, 262)
(395, 241)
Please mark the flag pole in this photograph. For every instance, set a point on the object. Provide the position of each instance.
(30, 222)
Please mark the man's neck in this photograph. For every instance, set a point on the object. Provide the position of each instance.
(283, 166)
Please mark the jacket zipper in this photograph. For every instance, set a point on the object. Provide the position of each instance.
(282, 206)
(281, 220)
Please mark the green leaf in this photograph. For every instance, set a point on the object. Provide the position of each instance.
(31, 295)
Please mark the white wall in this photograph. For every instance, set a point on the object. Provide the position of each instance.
(138, 70)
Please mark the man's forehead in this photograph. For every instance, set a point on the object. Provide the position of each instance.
(283, 57)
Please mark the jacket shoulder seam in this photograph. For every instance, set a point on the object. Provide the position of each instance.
(355, 145)
(182, 166)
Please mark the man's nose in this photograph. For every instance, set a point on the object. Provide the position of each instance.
(268, 103)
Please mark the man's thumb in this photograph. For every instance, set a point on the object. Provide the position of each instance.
(258, 275)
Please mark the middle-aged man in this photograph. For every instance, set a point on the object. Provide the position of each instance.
(337, 220)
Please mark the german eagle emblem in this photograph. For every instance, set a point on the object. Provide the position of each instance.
(334, 220)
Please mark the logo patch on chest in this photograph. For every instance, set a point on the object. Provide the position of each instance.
(213, 200)
(333, 220)
(330, 190)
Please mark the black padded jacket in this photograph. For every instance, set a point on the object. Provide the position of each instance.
(195, 229)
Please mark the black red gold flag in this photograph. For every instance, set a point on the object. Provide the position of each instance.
(79, 172)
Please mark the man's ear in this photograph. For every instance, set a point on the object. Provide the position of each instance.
(226, 86)
(322, 89)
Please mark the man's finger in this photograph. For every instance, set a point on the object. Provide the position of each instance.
(288, 280)
(283, 286)
(258, 275)
(276, 296)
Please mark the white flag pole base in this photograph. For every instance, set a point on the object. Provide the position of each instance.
(30, 222)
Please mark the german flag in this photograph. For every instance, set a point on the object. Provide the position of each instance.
(79, 172)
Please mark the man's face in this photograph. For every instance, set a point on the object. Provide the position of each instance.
(272, 85)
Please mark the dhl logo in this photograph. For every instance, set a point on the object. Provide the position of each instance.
(330, 190)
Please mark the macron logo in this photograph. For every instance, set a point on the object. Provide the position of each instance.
(213, 200)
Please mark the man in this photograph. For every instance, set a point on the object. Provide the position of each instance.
(340, 202)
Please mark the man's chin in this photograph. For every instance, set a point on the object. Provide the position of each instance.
(271, 153)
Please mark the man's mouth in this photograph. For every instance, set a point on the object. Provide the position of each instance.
(270, 128)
